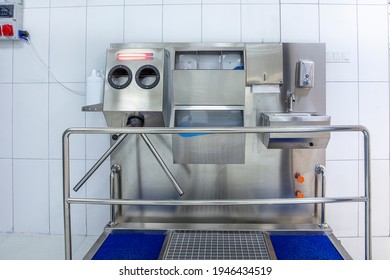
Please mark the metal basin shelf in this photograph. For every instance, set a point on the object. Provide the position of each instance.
(294, 140)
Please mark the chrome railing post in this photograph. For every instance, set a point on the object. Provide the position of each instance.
(66, 195)
(367, 194)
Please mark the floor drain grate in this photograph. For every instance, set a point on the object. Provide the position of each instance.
(216, 245)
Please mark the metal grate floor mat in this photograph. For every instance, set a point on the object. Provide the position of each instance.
(216, 245)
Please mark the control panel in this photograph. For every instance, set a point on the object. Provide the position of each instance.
(11, 20)
(305, 74)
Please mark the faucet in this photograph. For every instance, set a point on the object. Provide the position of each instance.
(290, 100)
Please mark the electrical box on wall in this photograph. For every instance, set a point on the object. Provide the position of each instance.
(11, 19)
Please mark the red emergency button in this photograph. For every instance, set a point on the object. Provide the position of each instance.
(8, 30)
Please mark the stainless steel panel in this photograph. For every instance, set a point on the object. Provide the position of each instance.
(208, 149)
(307, 99)
(209, 87)
(294, 140)
(264, 64)
(266, 173)
(137, 86)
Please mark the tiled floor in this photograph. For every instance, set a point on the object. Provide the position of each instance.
(51, 247)
(41, 247)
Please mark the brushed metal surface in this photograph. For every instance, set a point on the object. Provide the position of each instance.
(207, 148)
(153, 103)
(264, 64)
(291, 140)
(266, 173)
(209, 87)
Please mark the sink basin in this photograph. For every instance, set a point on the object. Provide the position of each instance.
(294, 140)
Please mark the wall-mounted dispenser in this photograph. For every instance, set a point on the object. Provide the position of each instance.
(305, 73)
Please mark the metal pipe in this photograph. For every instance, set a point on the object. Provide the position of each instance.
(162, 164)
(222, 202)
(115, 169)
(213, 130)
(367, 194)
(320, 170)
(66, 195)
(99, 162)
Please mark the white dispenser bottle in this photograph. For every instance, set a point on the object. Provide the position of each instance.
(94, 88)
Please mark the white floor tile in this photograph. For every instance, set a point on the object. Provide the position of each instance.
(84, 247)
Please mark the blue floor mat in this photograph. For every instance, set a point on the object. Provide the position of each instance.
(131, 246)
(304, 247)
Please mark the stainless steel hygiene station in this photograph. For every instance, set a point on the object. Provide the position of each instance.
(217, 152)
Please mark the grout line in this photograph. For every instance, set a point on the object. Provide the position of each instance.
(358, 111)
(162, 22)
(85, 114)
(124, 22)
(201, 20)
(48, 114)
(12, 143)
(319, 25)
(241, 21)
(280, 21)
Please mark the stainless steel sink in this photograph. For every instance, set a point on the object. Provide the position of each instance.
(294, 140)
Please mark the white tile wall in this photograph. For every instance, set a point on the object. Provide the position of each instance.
(299, 1)
(31, 195)
(260, 23)
(30, 121)
(67, 43)
(260, 1)
(221, 23)
(372, 2)
(337, 1)
(342, 180)
(299, 23)
(338, 29)
(373, 43)
(34, 116)
(36, 3)
(6, 196)
(36, 21)
(143, 23)
(143, 2)
(64, 112)
(98, 186)
(189, 29)
(339, 96)
(105, 2)
(68, 3)
(182, 2)
(78, 212)
(380, 192)
(374, 114)
(220, 1)
(101, 33)
(6, 120)
(6, 54)
(96, 145)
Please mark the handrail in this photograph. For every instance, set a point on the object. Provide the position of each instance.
(222, 130)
